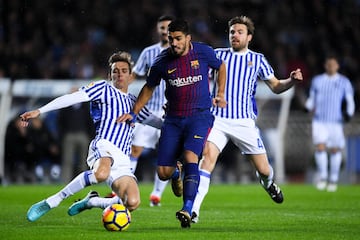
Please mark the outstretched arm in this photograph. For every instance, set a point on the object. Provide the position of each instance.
(57, 103)
(279, 86)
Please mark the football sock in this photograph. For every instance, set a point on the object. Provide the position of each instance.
(266, 181)
(335, 164)
(81, 181)
(159, 186)
(101, 202)
(321, 160)
(175, 174)
(191, 183)
(133, 163)
(203, 189)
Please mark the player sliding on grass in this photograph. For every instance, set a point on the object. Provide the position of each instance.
(109, 152)
(237, 120)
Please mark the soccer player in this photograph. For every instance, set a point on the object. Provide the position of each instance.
(327, 93)
(146, 136)
(244, 68)
(184, 66)
(109, 151)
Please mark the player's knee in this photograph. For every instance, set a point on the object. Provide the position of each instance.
(102, 175)
(164, 174)
(132, 203)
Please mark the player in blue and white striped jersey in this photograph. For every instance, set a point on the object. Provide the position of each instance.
(237, 120)
(146, 136)
(327, 93)
(109, 151)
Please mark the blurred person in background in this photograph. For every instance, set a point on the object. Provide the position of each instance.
(328, 92)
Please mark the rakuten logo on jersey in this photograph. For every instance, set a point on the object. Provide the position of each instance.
(179, 82)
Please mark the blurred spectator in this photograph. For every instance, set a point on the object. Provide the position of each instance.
(18, 152)
(45, 153)
(76, 129)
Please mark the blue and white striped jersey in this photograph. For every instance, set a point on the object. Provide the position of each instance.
(144, 62)
(326, 96)
(242, 72)
(107, 103)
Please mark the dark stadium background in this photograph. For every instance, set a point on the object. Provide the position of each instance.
(72, 39)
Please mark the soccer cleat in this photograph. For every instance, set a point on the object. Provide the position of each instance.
(177, 184)
(194, 217)
(184, 218)
(275, 193)
(154, 201)
(321, 185)
(82, 205)
(37, 210)
(332, 187)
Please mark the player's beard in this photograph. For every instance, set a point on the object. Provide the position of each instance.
(238, 46)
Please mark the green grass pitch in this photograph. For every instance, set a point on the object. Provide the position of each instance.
(228, 212)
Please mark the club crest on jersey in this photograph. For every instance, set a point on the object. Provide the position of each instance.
(250, 64)
(195, 64)
(90, 85)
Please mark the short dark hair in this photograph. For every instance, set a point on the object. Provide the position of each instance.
(179, 25)
(243, 20)
(165, 18)
(121, 56)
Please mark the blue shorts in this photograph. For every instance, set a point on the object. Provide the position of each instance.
(183, 133)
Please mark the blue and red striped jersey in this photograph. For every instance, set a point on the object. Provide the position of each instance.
(186, 77)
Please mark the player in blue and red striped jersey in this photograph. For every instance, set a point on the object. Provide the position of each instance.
(184, 66)
(237, 121)
(109, 151)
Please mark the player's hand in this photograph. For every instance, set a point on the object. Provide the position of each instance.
(219, 101)
(129, 118)
(26, 116)
(296, 75)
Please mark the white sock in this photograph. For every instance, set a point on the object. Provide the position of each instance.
(266, 180)
(321, 159)
(203, 189)
(159, 186)
(81, 181)
(133, 163)
(335, 164)
(101, 202)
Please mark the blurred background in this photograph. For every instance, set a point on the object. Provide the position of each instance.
(68, 42)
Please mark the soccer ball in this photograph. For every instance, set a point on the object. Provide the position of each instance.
(116, 218)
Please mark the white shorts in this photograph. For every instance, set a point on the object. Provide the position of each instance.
(120, 161)
(243, 133)
(145, 135)
(330, 134)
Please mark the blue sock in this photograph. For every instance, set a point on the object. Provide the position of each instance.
(191, 183)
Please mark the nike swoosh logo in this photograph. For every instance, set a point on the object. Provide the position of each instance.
(170, 71)
(198, 137)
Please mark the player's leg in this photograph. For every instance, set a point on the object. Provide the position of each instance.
(197, 130)
(265, 173)
(127, 189)
(320, 137)
(100, 173)
(134, 157)
(159, 188)
(207, 165)
(336, 144)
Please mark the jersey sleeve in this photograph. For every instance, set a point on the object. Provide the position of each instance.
(266, 72)
(94, 90)
(155, 72)
(214, 61)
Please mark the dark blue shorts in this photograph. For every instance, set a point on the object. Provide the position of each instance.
(183, 133)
